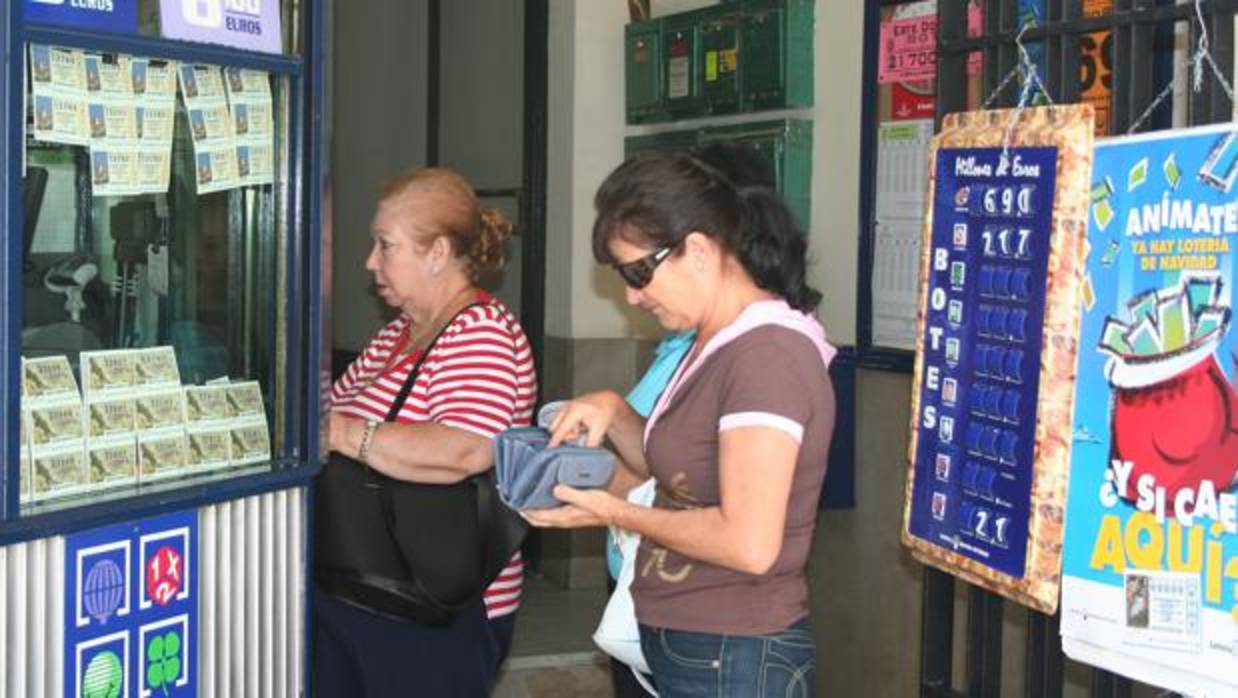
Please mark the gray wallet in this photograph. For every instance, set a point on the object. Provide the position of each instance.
(527, 471)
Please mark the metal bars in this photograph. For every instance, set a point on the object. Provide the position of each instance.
(1141, 30)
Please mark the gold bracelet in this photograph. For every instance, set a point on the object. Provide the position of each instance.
(367, 438)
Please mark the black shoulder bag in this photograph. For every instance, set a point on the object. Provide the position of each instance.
(406, 550)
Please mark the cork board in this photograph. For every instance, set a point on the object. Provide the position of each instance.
(1002, 271)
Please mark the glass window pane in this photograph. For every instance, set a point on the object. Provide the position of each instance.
(152, 310)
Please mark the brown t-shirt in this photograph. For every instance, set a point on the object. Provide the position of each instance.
(769, 376)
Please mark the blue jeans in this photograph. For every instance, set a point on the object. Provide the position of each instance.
(687, 664)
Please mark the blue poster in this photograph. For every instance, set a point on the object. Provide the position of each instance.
(1150, 561)
(119, 16)
(978, 393)
(131, 609)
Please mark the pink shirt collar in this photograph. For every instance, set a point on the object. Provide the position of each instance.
(759, 314)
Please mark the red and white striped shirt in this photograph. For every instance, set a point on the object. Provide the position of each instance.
(478, 377)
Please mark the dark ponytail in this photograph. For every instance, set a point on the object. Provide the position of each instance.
(772, 248)
(658, 199)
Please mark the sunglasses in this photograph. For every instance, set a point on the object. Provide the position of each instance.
(638, 273)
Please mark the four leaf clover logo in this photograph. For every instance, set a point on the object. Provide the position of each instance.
(163, 659)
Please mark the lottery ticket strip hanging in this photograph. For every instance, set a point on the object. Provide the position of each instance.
(995, 352)
(123, 108)
(1150, 558)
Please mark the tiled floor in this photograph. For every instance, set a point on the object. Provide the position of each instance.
(581, 675)
(553, 655)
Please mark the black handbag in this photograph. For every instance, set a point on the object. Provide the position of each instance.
(406, 550)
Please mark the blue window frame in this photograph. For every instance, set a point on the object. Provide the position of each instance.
(298, 357)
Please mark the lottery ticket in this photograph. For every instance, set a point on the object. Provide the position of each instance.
(1163, 608)
(56, 423)
(209, 448)
(26, 477)
(250, 443)
(112, 461)
(156, 366)
(108, 371)
(48, 377)
(245, 400)
(159, 409)
(162, 454)
(58, 471)
(109, 417)
(205, 404)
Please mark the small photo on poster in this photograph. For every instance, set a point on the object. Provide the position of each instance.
(206, 173)
(137, 77)
(98, 125)
(189, 82)
(197, 124)
(236, 82)
(93, 82)
(942, 467)
(41, 63)
(43, 113)
(242, 161)
(240, 119)
(99, 166)
(1137, 601)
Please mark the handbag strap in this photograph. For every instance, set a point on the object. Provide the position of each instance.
(402, 396)
(495, 529)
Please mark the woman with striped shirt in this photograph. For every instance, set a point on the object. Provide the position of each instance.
(431, 241)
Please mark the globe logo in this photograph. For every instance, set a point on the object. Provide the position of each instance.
(104, 590)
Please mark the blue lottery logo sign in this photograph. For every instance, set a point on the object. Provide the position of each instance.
(131, 597)
(100, 667)
(163, 665)
(106, 15)
(983, 333)
(103, 590)
(165, 567)
(105, 583)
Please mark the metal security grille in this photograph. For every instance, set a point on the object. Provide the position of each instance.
(250, 605)
(1137, 47)
(32, 618)
(1137, 29)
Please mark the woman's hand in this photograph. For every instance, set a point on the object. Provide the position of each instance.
(590, 414)
(582, 509)
(344, 433)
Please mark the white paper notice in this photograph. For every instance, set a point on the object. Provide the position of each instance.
(902, 182)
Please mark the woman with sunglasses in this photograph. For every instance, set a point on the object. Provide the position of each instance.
(737, 442)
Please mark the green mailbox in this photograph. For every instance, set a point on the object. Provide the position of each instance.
(681, 60)
(776, 60)
(667, 141)
(643, 71)
(785, 144)
(719, 40)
